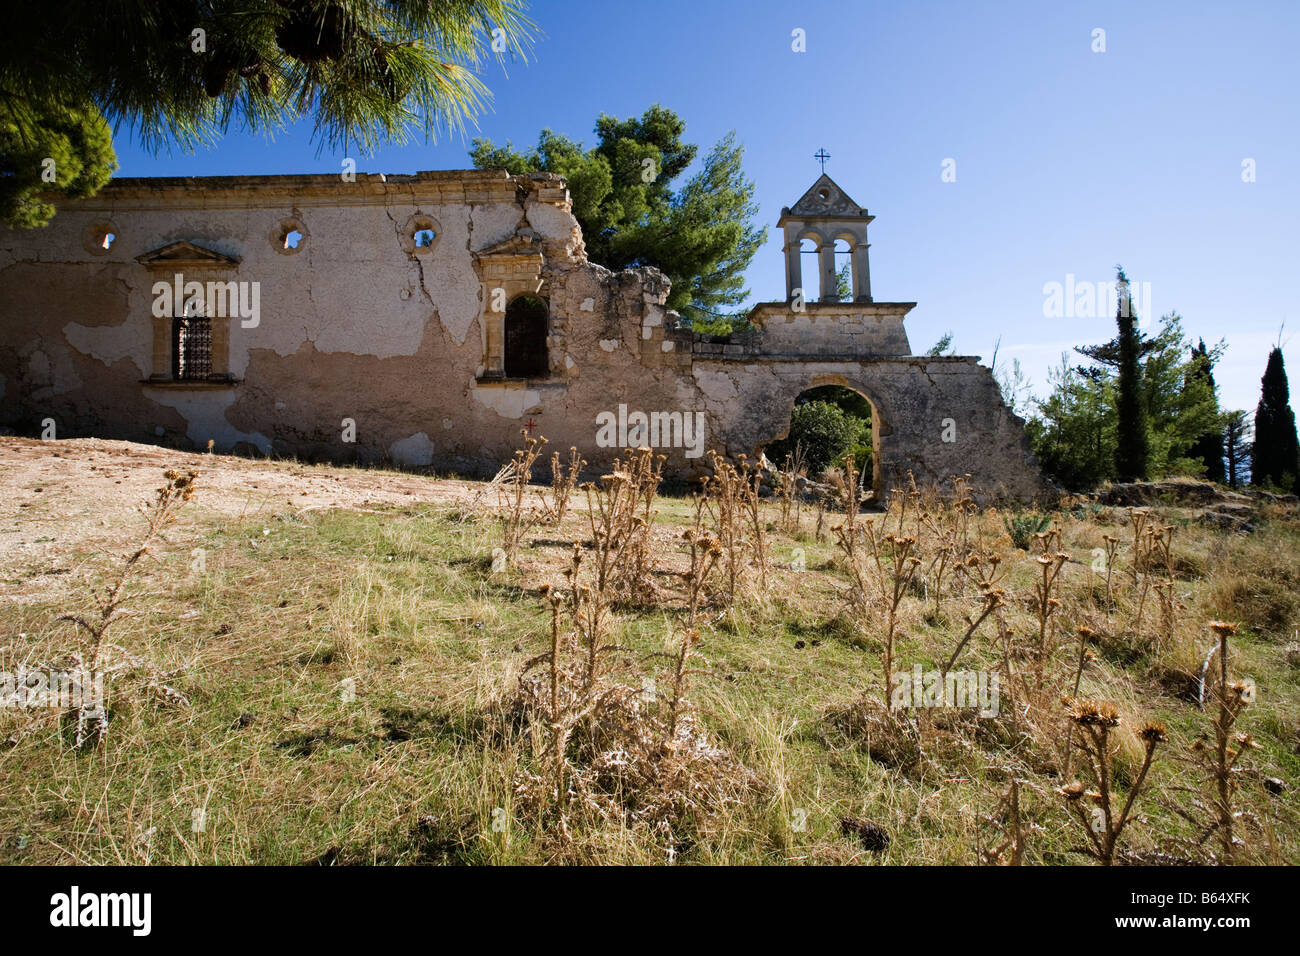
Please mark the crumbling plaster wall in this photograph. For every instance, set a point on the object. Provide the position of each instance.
(351, 326)
(356, 325)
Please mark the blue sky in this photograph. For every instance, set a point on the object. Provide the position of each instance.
(1067, 160)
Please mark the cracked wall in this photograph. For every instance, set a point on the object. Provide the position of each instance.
(360, 326)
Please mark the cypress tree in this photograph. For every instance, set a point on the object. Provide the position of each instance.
(1209, 447)
(1237, 446)
(1276, 458)
(1133, 447)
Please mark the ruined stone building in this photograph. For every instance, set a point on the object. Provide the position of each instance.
(424, 320)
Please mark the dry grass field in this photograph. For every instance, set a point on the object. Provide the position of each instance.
(326, 665)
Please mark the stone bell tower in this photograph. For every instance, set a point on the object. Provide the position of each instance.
(824, 214)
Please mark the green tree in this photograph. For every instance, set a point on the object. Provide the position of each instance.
(844, 283)
(859, 412)
(1276, 459)
(1073, 431)
(1124, 354)
(822, 432)
(1237, 447)
(1015, 386)
(943, 346)
(1179, 399)
(1132, 444)
(182, 71)
(850, 402)
(701, 235)
(1208, 448)
(47, 150)
(1164, 401)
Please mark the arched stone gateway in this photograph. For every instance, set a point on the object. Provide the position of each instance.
(438, 352)
(934, 417)
(870, 471)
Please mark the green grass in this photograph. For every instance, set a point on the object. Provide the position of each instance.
(402, 607)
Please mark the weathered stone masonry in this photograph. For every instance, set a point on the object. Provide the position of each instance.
(391, 312)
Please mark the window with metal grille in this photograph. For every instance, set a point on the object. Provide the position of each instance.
(191, 348)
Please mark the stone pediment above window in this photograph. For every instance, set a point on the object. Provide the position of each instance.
(509, 268)
(186, 254)
(520, 244)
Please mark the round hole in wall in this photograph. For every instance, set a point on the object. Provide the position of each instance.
(420, 235)
(98, 237)
(289, 236)
(823, 193)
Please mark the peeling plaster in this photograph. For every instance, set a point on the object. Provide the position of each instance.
(358, 326)
(49, 375)
(109, 343)
(205, 416)
(718, 386)
(415, 451)
(508, 402)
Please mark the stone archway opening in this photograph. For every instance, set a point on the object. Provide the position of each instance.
(810, 268)
(827, 423)
(843, 270)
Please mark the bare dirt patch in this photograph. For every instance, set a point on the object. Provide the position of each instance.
(64, 498)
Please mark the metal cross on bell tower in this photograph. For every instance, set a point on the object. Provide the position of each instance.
(821, 156)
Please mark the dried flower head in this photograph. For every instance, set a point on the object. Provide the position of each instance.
(1072, 791)
(1152, 733)
(1243, 690)
(1096, 713)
